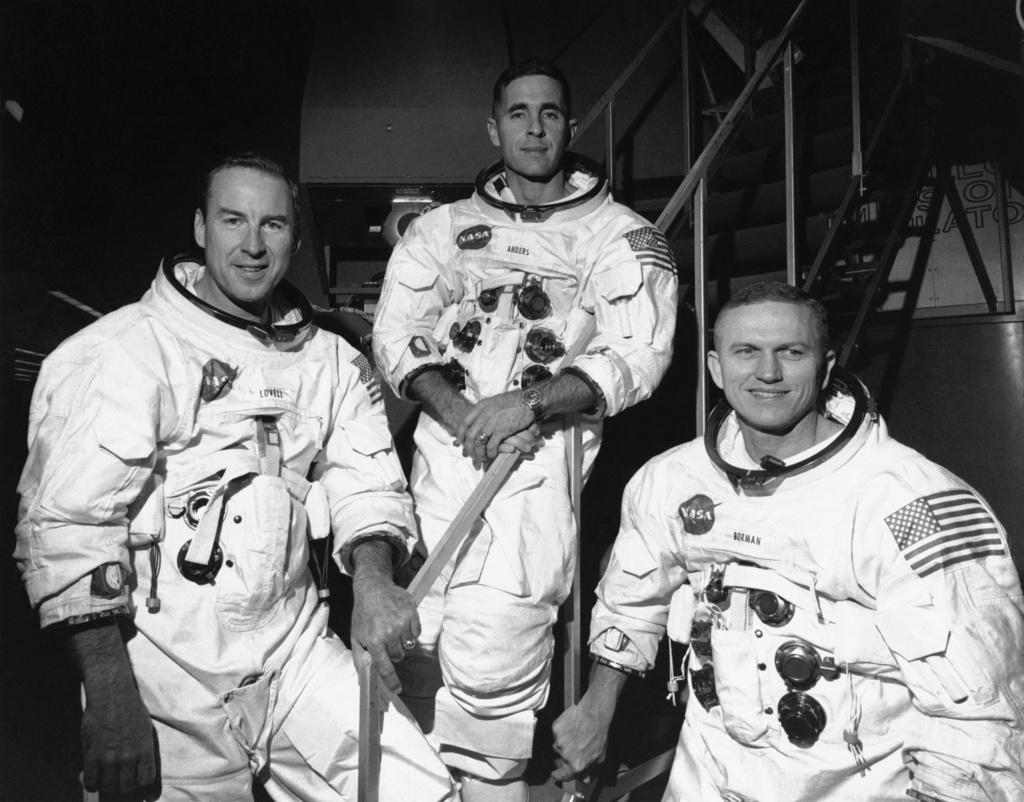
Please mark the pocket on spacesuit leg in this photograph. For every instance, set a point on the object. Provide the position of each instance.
(738, 685)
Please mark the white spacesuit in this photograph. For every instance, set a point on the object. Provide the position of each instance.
(497, 293)
(179, 459)
(855, 622)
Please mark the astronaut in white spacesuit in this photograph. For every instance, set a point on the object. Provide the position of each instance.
(853, 614)
(482, 300)
(188, 454)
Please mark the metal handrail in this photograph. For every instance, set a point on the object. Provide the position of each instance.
(725, 131)
(609, 95)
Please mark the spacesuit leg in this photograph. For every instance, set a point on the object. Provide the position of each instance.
(488, 619)
(314, 752)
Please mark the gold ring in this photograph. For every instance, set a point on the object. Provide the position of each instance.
(483, 437)
(408, 644)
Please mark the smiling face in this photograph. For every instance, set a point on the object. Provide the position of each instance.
(247, 233)
(771, 364)
(532, 129)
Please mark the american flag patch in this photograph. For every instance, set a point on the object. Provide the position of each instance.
(943, 529)
(368, 376)
(651, 248)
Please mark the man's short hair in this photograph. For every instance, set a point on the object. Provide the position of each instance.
(532, 66)
(780, 292)
(261, 164)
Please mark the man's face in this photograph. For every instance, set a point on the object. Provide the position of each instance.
(770, 365)
(531, 128)
(247, 232)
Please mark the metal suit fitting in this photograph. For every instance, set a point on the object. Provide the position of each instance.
(533, 374)
(771, 608)
(465, 339)
(802, 717)
(197, 572)
(543, 346)
(533, 303)
(798, 664)
(194, 506)
(487, 300)
(716, 592)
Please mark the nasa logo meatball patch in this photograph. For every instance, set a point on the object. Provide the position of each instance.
(698, 514)
(217, 379)
(473, 238)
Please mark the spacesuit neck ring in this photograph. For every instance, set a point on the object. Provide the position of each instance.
(775, 470)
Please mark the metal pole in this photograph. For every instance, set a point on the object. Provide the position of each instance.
(791, 244)
(700, 303)
(857, 158)
(1005, 253)
(687, 78)
(609, 127)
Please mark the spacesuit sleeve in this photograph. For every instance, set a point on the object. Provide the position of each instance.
(360, 472)
(633, 596)
(93, 429)
(632, 294)
(951, 614)
(414, 295)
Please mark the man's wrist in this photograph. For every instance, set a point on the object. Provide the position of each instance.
(374, 553)
(532, 400)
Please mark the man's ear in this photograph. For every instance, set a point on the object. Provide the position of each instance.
(199, 228)
(830, 362)
(715, 369)
(573, 126)
(492, 132)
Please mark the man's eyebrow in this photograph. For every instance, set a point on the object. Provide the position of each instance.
(226, 211)
(521, 106)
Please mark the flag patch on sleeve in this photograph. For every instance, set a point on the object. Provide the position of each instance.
(943, 529)
(368, 376)
(651, 248)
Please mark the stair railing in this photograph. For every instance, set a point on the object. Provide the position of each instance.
(606, 103)
(694, 187)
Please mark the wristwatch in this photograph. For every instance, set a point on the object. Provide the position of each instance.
(532, 399)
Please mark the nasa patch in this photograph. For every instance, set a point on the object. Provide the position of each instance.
(698, 514)
(473, 238)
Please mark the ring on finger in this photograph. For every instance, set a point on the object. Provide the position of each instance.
(483, 437)
(408, 644)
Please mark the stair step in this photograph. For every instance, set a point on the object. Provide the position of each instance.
(749, 251)
(763, 204)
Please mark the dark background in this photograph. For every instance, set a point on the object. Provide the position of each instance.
(125, 105)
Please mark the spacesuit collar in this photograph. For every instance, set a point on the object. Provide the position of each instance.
(585, 176)
(846, 401)
(292, 313)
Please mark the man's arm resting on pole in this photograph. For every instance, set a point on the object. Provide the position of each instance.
(118, 750)
(581, 732)
(506, 414)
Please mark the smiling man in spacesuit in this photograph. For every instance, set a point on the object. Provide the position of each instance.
(187, 454)
(482, 301)
(853, 614)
